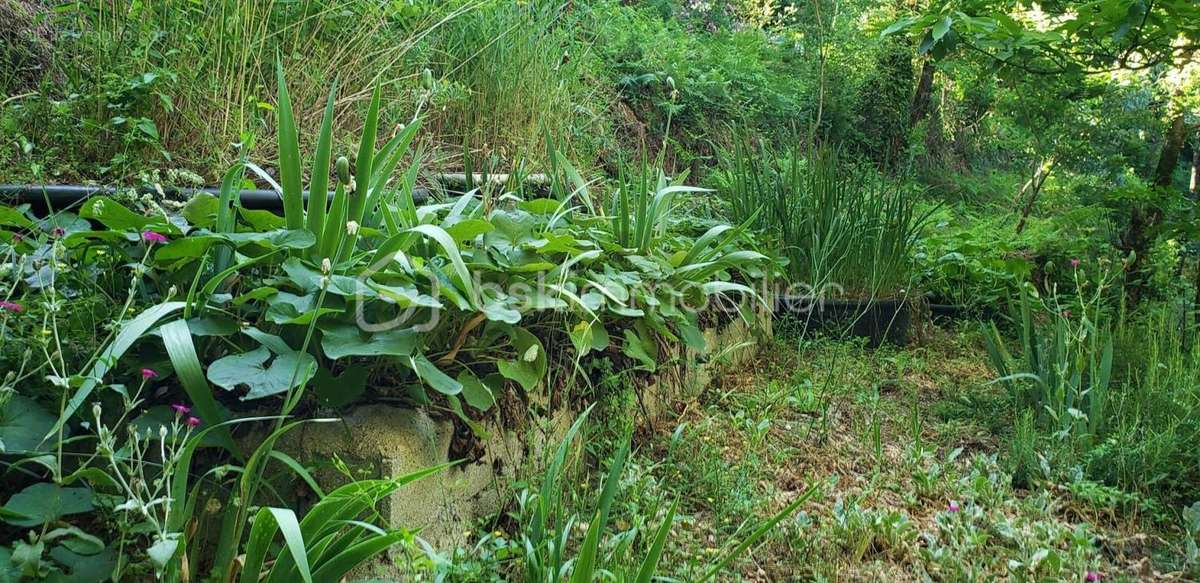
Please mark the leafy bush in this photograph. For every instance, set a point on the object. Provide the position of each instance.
(1107, 391)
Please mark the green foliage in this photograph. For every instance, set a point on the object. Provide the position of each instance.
(446, 296)
(836, 225)
(695, 84)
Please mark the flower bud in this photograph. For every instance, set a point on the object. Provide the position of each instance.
(351, 228)
(343, 170)
(326, 266)
(427, 79)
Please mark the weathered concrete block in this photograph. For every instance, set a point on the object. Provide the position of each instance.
(379, 440)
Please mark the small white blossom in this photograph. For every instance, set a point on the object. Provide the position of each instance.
(351, 228)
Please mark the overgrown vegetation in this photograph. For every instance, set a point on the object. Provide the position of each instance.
(504, 215)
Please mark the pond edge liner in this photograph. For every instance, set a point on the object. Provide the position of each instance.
(878, 320)
(44, 198)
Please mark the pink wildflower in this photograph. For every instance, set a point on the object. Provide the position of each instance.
(1074, 263)
(152, 237)
(58, 232)
(193, 421)
(149, 373)
(952, 506)
(1092, 576)
(181, 409)
(7, 306)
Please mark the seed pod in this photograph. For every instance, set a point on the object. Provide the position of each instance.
(343, 170)
(427, 79)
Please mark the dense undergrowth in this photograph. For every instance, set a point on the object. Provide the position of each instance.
(1015, 195)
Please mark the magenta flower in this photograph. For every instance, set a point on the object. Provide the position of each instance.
(952, 506)
(1092, 576)
(149, 373)
(193, 421)
(1074, 263)
(7, 306)
(152, 237)
(58, 232)
(181, 409)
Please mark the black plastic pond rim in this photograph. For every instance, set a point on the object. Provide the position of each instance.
(59, 197)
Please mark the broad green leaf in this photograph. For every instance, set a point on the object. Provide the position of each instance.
(162, 551)
(476, 392)
(349, 340)
(262, 373)
(529, 367)
(44, 502)
(637, 350)
(12, 217)
(83, 568)
(23, 424)
(115, 216)
(342, 390)
(468, 229)
(433, 376)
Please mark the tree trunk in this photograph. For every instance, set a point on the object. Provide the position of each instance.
(923, 96)
(1169, 159)
(1144, 221)
(1194, 186)
(1035, 183)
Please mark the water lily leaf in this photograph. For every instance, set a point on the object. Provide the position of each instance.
(115, 216)
(75, 540)
(82, 568)
(468, 229)
(201, 210)
(286, 308)
(529, 368)
(499, 312)
(476, 392)
(433, 376)
(262, 221)
(9, 572)
(67, 221)
(23, 424)
(349, 340)
(162, 550)
(589, 336)
(262, 374)
(342, 390)
(13, 217)
(255, 294)
(276, 239)
(45, 502)
(541, 206)
(404, 296)
(636, 349)
(556, 244)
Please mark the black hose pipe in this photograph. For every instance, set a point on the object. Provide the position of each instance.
(44, 198)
